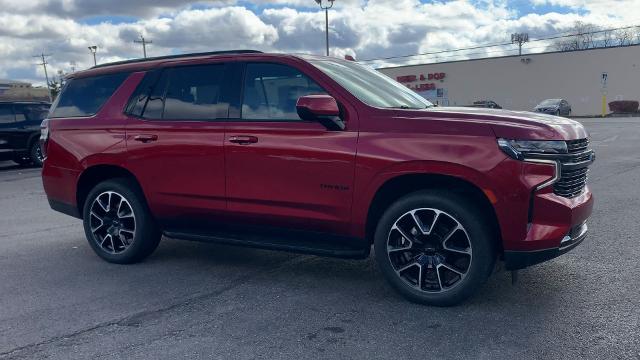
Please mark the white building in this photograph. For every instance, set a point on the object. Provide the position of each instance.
(521, 82)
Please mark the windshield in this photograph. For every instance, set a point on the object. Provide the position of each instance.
(550, 102)
(370, 86)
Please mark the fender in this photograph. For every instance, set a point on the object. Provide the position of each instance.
(364, 199)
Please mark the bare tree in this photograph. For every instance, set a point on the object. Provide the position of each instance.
(589, 36)
(607, 38)
(623, 37)
(582, 37)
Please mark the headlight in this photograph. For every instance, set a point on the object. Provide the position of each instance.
(518, 149)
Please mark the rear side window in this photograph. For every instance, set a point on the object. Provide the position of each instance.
(85, 96)
(34, 112)
(184, 93)
(6, 114)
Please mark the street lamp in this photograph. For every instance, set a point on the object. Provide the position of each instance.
(93, 50)
(326, 5)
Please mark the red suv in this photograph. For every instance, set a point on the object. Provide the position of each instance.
(313, 155)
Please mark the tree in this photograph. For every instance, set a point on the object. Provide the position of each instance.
(55, 86)
(588, 36)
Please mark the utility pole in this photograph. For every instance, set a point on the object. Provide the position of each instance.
(326, 6)
(44, 63)
(519, 38)
(144, 43)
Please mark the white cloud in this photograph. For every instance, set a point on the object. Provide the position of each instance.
(367, 29)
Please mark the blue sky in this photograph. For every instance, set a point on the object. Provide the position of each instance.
(361, 28)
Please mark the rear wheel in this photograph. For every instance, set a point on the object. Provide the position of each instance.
(434, 247)
(118, 223)
(35, 154)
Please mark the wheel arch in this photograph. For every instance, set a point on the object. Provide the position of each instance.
(401, 185)
(98, 173)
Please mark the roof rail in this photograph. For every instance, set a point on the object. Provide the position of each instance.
(168, 57)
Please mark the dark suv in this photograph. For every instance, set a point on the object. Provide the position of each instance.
(20, 131)
(313, 155)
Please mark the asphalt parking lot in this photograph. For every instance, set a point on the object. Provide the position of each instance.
(59, 300)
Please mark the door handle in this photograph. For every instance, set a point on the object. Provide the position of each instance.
(145, 138)
(243, 139)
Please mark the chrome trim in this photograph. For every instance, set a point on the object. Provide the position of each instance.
(556, 175)
(569, 240)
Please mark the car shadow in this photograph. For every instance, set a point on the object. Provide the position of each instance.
(10, 165)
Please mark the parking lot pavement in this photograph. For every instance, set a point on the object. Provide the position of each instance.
(59, 300)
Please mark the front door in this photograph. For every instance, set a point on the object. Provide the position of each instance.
(282, 171)
(175, 143)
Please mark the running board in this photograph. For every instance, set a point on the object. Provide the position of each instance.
(282, 240)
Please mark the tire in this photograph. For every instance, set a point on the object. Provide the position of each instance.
(35, 154)
(123, 235)
(469, 250)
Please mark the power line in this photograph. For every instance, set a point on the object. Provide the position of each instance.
(44, 63)
(553, 37)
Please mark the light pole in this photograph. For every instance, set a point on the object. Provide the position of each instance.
(519, 38)
(93, 50)
(326, 5)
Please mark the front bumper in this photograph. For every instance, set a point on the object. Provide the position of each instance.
(515, 260)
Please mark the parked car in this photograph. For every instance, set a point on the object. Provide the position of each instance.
(20, 131)
(558, 107)
(486, 104)
(315, 155)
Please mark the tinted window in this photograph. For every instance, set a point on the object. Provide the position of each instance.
(140, 97)
(34, 113)
(6, 114)
(155, 104)
(271, 91)
(194, 93)
(85, 96)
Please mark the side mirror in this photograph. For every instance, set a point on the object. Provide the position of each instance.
(321, 108)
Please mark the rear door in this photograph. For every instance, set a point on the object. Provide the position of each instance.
(283, 171)
(174, 140)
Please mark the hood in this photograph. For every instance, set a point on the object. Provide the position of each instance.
(524, 125)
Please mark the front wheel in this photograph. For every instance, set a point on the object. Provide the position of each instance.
(435, 247)
(118, 223)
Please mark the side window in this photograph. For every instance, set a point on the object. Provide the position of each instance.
(194, 93)
(6, 115)
(272, 90)
(155, 103)
(184, 93)
(85, 96)
(33, 113)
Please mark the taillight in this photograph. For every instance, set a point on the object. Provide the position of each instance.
(44, 137)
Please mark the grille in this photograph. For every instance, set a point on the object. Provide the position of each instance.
(573, 175)
(571, 182)
(579, 145)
